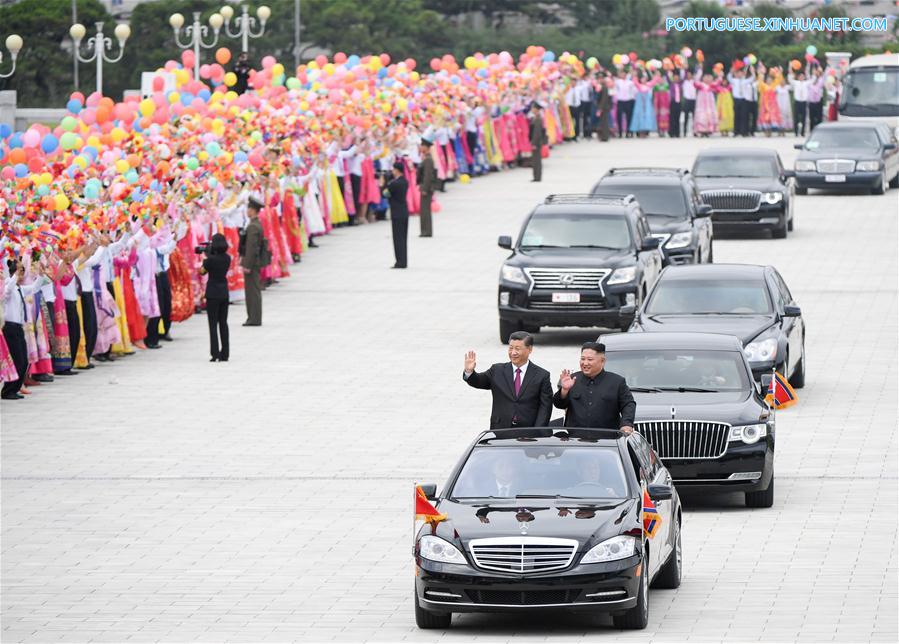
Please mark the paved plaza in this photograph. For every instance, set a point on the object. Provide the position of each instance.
(164, 497)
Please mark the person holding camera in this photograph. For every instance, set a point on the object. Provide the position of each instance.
(216, 265)
(252, 263)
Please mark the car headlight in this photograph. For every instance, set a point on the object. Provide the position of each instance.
(804, 166)
(437, 549)
(761, 351)
(679, 240)
(620, 547)
(867, 166)
(772, 198)
(749, 434)
(623, 275)
(514, 274)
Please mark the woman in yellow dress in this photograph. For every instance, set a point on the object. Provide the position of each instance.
(725, 105)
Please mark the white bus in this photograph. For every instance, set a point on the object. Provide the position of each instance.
(871, 90)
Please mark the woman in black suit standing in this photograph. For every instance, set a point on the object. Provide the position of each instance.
(216, 265)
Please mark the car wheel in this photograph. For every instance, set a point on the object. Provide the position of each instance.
(637, 617)
(427, 619)
(762, 499)
(894, 182)
(801, 191)
(669, 576)
(881, 187)
(797, 381)
(781, 231)
(506, 329)
(792, 221)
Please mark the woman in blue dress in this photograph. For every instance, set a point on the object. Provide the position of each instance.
(644, 120)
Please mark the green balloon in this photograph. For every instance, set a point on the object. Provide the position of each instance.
(131, 176)
(69, 123)
(68, 140)
(294, 83)
(192, 163)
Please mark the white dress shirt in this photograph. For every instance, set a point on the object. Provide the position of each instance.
(14, 297)
(85, 269)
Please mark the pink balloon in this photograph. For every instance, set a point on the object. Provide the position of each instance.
(204, 71)
(171, 66)
(8, 173)
(78, 96)
(256, 159)
(187, 58)
(269, 61)
(31, 138)
(88, 116)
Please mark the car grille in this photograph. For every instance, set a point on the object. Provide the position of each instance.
(588, 303)
(835, 166)
(523, 597)
(685, 438)
(522, 554)
(733, 200)
(561, 278)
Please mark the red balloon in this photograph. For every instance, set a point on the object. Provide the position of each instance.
(340, 58)
(255, 159)
(158, 84)
(385, 59)
(35, 164)
(435, 64)
(321, 60)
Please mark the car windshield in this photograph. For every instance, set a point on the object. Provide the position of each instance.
(542, 471)
(672, 297)
(571, 230)
(870, 92)
(671, 369)
(656, 200)
(846, 137)
(733, 166)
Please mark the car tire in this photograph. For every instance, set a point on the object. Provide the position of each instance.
(763, 498)
(506, 329)
(425, 619)
(801, 191)
(670, 574)
(637, 617)
(791, 222)
(894, 182)
(797, 381)
(781, 231)
(882, 187)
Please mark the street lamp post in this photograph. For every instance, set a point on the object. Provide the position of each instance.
(196, 32)
(14, 45)
(246, 24)
(99, 44)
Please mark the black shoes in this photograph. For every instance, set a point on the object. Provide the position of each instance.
(166, 337)
(398, 266)
(154, 346)
(12, 397)
(248, 323)
(65, 373)
(43, 377)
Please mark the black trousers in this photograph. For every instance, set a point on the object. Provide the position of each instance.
(815, 114)
(689, 109)
(90, 323)
(356, 182)
(400, 228)
(799, 109)
(217, 314)
(752, 116)
(472, 139)
(625, 110)
(14, 334)
(74, 323)
(674, 121)
(739, 116)
(164, 292)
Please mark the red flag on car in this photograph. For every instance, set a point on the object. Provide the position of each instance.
(424, 509)
(780, 393)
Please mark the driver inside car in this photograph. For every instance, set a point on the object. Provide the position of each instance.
(591, 476)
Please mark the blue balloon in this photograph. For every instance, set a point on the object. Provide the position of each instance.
(455, 80)
(186, 98)
(90, 150)
(382, 72)
(21, 170)
(15, 141)
(549, 57)
(352, 61)
(49, 143)
(5, 131)
(43, 190)
(240, 157)
(482, 73)
(91, 191)
(74, 106)
(204, 94)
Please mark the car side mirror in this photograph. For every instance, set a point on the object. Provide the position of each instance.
(627, 310)
(704, 210)
(789, 174)
(792, 311)
(766, 381)
(799, 146)
(650, 243)
(659, 492)
(430, 490)
(505, 241)
(889, 146)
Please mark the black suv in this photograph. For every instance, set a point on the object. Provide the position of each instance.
(699, 407)
(671, 203)
(580, 260)
(746, 188)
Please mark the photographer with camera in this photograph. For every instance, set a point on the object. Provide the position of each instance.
(216, 265)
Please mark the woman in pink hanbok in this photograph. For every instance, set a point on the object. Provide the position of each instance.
(705, 118)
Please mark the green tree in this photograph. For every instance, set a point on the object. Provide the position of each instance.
(635, 15)
(771, 10)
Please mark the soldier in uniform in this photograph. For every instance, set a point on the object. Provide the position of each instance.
(538, 140)
(427, 183)
(252, 264)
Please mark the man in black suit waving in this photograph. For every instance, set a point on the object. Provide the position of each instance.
(522, 393)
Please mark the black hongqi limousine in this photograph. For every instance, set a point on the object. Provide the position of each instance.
(549, 518)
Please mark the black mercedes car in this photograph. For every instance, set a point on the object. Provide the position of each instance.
(671, 203)
(549, 518)
(580, 260)
(746, 188)
(698, 406)
(840, 155)
(744, 300)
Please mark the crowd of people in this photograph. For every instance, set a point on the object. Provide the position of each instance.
(128, 217)
(676, 98)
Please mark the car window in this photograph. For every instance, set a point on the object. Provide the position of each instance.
(779, 301)
(782, 286)
(646, 456)
(664, 200)
(672, 369)
(733, 166)
(852, 138)
(544, 470)
(725, 296)
(563, 230)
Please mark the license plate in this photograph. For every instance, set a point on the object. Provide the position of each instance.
(835, 178)
(566, 298)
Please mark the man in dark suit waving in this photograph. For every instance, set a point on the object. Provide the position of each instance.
(522, 393)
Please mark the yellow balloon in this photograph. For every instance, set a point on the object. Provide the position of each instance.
(46, 178)
(122, 166)
(93, 141)
(385, 107)
(402, 104)
(464, 178)
(230, 95)
(174, 97)
(414, 76)
(230, 79)
(80, 161)
(312, 65)
(278, 69)
(147, 107)
(181, 76)
(60, 201)
(304, 105)
(118, 134)
(203, 155)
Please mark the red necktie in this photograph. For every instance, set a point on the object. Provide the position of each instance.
(517, 381)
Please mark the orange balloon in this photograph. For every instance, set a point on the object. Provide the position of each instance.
(222, 55)
(17, 155)
(133, 160)
(103, 114)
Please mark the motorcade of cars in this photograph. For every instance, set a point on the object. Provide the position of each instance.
(840, 155)
(699, 408)
(748, 301)
(545, 519)
(747, 188)
(672, 205)
(579, 260)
